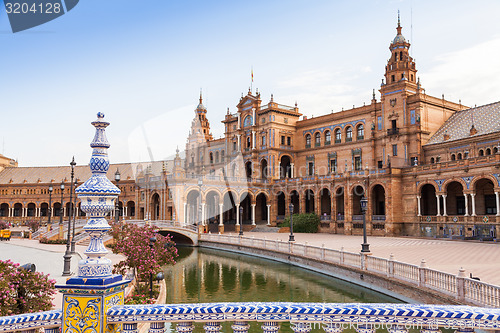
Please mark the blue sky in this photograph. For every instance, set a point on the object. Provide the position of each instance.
(143, 64)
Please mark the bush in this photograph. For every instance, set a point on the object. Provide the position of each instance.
(45, 240)
(4, 225)
(307, 223)
(33, 225)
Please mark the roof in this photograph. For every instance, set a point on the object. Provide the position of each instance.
(486, 119)
(55, 174)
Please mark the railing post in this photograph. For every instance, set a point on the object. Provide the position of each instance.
(422, 273)
(461, 284)
(270, 327)
(212, 327)
(240, 327)
(333, 328)
(301, 327)
(56, 329)
(363, 261)
(130, 328)
(157, 327)
(184, 327)
(390, 266)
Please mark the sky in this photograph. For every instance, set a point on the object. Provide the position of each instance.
(143, 63)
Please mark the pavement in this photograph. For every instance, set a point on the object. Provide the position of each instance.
(477, 258)
(48, 259)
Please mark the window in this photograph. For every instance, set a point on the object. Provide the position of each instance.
(481, 152)
(453, 157)
(328, 137)
(379, 123)
(459, 156)
(317, 139)
(488, 151)
(360, 132)
(249, 142)
(333, 166)
(263, 120)
(283, 140)
(413, 161)
(310, 169)
(288, 141)
(393, 78)
(285, 120)
(234, 145)
(357, 163)
(211, 157)
(348, 134)
(394, 150)
(432, 160)
(338, 135)
(438, 159)
(222, 156)
(412, 117)
(308, 141)
(379, 164)
(263, 140)
(400, 55)
(216, 157)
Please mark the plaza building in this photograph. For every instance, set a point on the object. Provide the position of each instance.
(428, 167)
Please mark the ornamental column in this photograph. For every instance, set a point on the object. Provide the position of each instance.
(253, 214)
(466, 204)
(473, 197)
(438, 206)
(221, 214)
(88, 295)
(497, 197)
(269, 214)
(444, 205)
(239, 142)
(202, 213)
(253, 139)
(292, 170)
(419, 212)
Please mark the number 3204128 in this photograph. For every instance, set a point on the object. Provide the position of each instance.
(40, 8)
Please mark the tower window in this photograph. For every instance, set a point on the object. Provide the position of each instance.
(400, 55)
(395, 56)
(394, 150)
(411, 77)
(393, 78)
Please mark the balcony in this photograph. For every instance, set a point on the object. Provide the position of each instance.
(393, 131)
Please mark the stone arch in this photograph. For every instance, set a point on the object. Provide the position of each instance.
(295, 200)
(427, 192)
(339, 198)
(378, 195)
(309, 201)
(31, 209)
(4, 209)
(18, 209)
(285, 166)
(131, 208)
(281, 202)
(477, 178)
(212, 200)
(455, 199)
(485, 199)
(193, 207)
(357, 191)
(448, 181)
(264, 169)
(44, 209)
(422, 184)
(261, 202)
(155, 206)
(325, 199)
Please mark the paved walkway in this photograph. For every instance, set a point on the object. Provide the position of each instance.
(47, 258)
(480, 259)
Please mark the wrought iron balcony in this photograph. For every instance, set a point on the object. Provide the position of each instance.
(393, 131)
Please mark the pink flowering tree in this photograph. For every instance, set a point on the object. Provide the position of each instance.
(133, 242)
(4, 225)
(23, 291)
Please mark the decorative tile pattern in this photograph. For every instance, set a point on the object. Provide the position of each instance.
(31, 321)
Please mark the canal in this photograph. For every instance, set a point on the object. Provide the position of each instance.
(204, 275)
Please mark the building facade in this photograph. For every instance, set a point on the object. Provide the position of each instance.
(428, 166)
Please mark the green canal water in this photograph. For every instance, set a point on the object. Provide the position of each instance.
(204, 276)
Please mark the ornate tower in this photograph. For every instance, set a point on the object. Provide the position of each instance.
(198, 137)
(202, 123)
(87, 297)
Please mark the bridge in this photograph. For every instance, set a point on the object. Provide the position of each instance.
(180, 233)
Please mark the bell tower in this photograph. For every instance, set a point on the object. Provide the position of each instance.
(401, 66)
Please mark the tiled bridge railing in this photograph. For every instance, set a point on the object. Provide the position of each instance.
(465, 290)
(331, 317)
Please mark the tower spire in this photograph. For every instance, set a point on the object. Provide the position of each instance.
(201, 97)
(399, 25)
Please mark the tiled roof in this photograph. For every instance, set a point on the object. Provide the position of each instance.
(56, 174)
(486, 120)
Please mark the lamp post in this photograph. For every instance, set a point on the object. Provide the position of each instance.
(50, 204)
(67, 254)
(290, 208)
(117, 208)
(61, 210)
(241, 220)
(152, 242)
(365, 247)
(72, 215)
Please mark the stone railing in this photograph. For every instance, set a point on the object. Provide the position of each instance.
(463, 289)
(164, 224)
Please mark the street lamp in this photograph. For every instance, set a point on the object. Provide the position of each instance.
(74, 220)
(290, 208)
(241, 220)
(50, 202)
(67, 254)
(61, 210)
(117, 208)
(365, 247)
(152, 242)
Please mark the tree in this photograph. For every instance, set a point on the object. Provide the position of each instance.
(133, 242)
(23, 291)
(4, 225)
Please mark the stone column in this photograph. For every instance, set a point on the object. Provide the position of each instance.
(269, 214)
(292, 170)
(438, 205)
(473, 202)
(240, 327)
(212, 327)
(239, 142)
(253, 139)
(419, 211)
(497, 197)
(466, 204)
(270, 327)
(253, 214)
(184, 327)
(444, 205)
(221, 214)
(202, 213)
(237, 214)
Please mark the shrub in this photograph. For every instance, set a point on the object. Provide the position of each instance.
(45, 240)
(22, 291)
(33, 225)
(308, 223)
(4, 225)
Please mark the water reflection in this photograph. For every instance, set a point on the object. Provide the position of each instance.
(204, 275)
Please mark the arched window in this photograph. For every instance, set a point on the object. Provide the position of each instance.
(222, 156)
(328, 137)
(216, 157)
(481, 152)
(317, 139)
(338, 135)
(459, 156)
(495, 150)
(466, 155)
(452, 157)
(211, 157)
(360, 132)
(488, 151)
(348, 134)
(308, 141)
(249, 142)
(432, 160)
